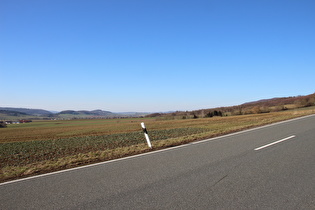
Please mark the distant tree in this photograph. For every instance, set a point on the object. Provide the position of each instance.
(209, 114)
(220, 113)
(237, 110)
(302, 102)
(195, 116)
(214, 113)
(280, 108)
(265, 109)
(311, 101)
(256, 110)
(2, 124)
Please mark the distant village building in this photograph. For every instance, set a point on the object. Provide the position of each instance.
(8, 122)
(25, 121)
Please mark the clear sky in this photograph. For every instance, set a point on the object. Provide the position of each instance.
(154, 55)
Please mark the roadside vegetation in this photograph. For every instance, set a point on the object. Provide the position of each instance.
(44, 146)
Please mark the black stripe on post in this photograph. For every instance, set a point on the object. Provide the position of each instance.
(145, 130)
(146, 135)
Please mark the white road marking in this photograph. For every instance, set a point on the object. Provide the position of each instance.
(276, 142)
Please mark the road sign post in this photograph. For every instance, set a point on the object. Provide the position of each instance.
(146, 134)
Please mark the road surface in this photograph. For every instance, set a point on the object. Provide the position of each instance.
(271, 167)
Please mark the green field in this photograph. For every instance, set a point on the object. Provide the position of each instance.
(44, 146)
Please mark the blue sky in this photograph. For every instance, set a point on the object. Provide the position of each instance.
(156, 55)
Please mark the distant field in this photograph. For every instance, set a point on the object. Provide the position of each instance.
(43, 146)
(14, 118)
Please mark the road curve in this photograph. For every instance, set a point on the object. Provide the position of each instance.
(271, 167)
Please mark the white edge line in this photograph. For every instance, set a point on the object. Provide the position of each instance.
(276, 142)
(149, 153)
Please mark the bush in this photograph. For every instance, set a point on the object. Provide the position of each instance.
(3, 125)
(214, 113)
(210, 114)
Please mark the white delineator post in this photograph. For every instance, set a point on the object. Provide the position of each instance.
(146, 135)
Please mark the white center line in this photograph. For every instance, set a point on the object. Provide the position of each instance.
(276, 142)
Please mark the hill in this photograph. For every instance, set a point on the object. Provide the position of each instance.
(8, 113)
(255, 107)
(33, 112)
(85, 114)
(13, 114)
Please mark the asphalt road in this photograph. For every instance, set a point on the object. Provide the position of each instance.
(230, 172)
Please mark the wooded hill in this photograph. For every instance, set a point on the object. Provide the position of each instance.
(255, 107)
(24, 111)
(8, 113)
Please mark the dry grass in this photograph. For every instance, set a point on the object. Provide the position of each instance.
(164, 134)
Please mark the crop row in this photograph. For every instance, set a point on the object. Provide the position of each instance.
(20, 153)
